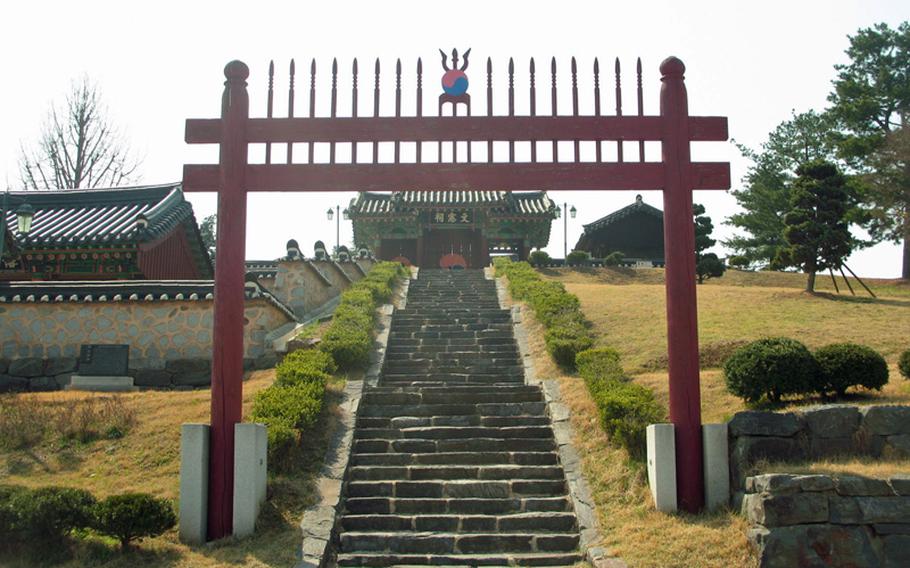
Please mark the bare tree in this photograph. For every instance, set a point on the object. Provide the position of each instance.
(78, 147)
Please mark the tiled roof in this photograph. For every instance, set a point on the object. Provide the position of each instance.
(638, 207)
(101, 216)
(535, 203)
(124, 291)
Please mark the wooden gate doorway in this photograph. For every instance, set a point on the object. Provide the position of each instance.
(472, 167)
(467, 243)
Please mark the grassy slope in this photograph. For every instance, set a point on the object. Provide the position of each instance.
(629, 315)
(148, 459)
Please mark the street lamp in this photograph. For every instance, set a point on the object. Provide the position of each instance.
(565, 228)
(24, 215)
(331, 214)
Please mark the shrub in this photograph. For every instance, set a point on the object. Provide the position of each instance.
(845, 365)
(298, 406)
(312, 358)
(598, 362)
(625, 409)
(578, 257)
(565, 340)
(738, 261)
(772, 368)
(903, 364)
(49, 513)
(9, 518)
(348, 346)
(133, 515)
(614, 258)
(539, 258)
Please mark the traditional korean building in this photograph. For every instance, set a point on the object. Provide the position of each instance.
(636, 230)
(451, 228)
(131, 233)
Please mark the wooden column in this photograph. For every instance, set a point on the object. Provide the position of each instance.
(682, 311)
(227, 350)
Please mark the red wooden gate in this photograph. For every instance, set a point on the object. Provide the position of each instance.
(675, 174)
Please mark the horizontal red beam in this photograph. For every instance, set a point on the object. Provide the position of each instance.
(459, 176)
(479, 128)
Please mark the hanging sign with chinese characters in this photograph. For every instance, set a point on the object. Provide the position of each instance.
(451, 217)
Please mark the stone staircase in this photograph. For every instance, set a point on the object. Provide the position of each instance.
(454, 461)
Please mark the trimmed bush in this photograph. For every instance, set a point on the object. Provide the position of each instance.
(845, 365)
(578, 257)
(903, 364)
(626, 409)
(133, 515)
(285, 410)
(539, 258)
(50, 513)
(305, 366)
(738, 261)
(558, 311)
(598, 362)
(9, 518)
(614, 258)
(772, 368)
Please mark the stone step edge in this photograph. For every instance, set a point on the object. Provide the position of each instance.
(519, 559)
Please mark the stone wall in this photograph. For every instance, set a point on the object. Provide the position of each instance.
(814, 433)
(821, 520)
(307, 285)
(40, 342)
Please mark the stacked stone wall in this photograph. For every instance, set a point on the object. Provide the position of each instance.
(170, 341)
(306, 285)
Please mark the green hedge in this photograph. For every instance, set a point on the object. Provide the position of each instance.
(567, 331)
(349, 339)
(903, 364)
(771, 368)
(844, 365)
(46, 516)
(625, 408)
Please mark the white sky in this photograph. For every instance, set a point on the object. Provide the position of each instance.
(160, 63)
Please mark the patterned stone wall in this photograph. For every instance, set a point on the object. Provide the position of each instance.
(305, 285)
(156, 331)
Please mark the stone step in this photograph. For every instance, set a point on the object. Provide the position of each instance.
(459, 488)
(454, 543)
(461, 506)
(536, 408)
(530, 522)
(456, 458)
(415, 396)
(464, 560)
(454, 433)
(448, 472)
(455, 357)
(435, 348)
(469, 420)
(469, 334)
(424, 446)
(437, 379)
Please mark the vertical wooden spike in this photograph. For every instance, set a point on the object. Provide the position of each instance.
(397, 104)
(598, 143)
(489, 104)
(511, 105)
(641, 109)
(419, 104)
(576, 145)
(354, 106)
(376, 107)
(291, 72)
(553, 100)
(311, 148)
(617, 74)
(533, 94)
(334, 105)
(268, 109)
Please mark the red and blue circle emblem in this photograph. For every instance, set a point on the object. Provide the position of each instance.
(455, 83)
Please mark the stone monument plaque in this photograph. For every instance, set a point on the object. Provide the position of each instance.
(104, 360)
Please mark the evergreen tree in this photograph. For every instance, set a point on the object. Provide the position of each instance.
(765, 194)
(816, 227)
(707, 265)
(207, 231)
(871, 100)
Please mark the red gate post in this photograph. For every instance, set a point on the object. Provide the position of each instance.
(682, 310)
(227, 340)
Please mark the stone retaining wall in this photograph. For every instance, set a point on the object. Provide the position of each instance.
(169, 341)
(814, 433)
(821, 520)
(305, 285)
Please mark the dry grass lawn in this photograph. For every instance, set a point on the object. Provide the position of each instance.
(147, 459)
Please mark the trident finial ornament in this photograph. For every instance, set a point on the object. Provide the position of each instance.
(455, 81)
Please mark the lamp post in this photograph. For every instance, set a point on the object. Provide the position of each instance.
(565, 228)
(24, 215)
(337, 214)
